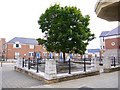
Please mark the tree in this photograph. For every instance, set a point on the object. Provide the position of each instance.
(66, 29)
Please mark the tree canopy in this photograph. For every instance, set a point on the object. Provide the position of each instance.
(66, 29)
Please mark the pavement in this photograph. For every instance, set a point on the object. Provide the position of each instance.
(106, 80)
(13, 79)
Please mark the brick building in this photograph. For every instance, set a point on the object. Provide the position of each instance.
(110, 43)
(2, 42)
(93, 53)
(23, 47)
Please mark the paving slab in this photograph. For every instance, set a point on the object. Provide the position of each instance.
(13, 79)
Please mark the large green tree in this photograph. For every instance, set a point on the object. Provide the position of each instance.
(66, 30)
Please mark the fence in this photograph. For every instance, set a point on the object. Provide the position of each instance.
(67, 67)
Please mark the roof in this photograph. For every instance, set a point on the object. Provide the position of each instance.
(24, 40)
(93, 50)
(103, 34)
(113, 32)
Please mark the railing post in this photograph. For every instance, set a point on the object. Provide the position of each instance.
(37, 65)
(29, 63)
(84, 65)
(23, 62)
(69, 67)
(90, 60)
(114, 61)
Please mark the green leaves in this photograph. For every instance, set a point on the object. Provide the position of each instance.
(41, 41)
(62, 24)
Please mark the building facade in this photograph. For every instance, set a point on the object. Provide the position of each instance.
(111, 43)
(93, 53)
(23, 48)
(2, 42)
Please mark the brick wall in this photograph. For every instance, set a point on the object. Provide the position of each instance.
(25, 49)
(2, 41)
(109, 42)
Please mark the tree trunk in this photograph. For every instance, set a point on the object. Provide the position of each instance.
(64, 57)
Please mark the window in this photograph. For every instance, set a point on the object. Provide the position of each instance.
(103, 39)
(17, 45)
(44, 54)
(31, 46)
(17, 55)
(31, 54)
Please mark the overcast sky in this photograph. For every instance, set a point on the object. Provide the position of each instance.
(18, 18)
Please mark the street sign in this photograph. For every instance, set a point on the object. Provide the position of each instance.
(37, 55)
(60, 55)
(71, 56)
(51, 56)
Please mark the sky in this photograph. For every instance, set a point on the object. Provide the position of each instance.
(19, 18)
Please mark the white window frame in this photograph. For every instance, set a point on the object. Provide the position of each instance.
(14, 46)
(31, 46)
(17, 54)
(44, 54)
(31, 54)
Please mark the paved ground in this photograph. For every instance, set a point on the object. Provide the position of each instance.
(108, 80)
(13, 79)
(0, 77)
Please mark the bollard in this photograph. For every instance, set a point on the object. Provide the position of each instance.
(37, 66)
(114, 62)
(69, 67)
(84, 65)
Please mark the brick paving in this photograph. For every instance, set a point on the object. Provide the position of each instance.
(13, 79)
(0, 77)
(104, 80)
